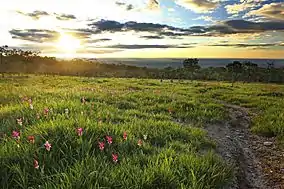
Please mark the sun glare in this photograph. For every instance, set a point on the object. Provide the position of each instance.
(68, 44)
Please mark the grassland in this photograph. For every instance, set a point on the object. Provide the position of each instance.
(166, 146)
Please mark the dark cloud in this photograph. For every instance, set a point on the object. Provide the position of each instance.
(106, 25)
(35, 15)
(249, 45)
(240, 25)
(152, 37)
(38, 14)
(99, 40)
(114, 26)
(65, 16)
(151, 27)
(120, 3)
(127, 7)
(35, 35)
(98, 51)
(121, 46)
(158, 31)
(227, 27)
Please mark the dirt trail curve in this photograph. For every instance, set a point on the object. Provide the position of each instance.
(234, 145)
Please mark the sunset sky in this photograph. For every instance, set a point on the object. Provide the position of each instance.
(145, 28)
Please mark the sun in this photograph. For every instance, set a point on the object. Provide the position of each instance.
(68, 44)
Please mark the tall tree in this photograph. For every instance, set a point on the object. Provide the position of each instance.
(3, 51)
(250, 70)
(191, 65)
(235, 68)
(270, 69)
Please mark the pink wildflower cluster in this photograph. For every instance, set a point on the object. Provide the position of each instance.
(36, 165)
(114, 158)
(101, 146)
(16, 135)
(45, 111)
(79, 131)
(109, 139)
(47, 146)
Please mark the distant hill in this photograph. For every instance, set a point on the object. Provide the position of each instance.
(177, 63)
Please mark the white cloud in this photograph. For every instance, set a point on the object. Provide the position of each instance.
(244, 5)
(206, 18)
(171, 9)
(200, 6)
(271, 11)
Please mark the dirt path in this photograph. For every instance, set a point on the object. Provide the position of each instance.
(234, 145)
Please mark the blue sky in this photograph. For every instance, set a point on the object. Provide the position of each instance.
(145, 28)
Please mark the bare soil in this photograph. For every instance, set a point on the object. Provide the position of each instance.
(247, 152)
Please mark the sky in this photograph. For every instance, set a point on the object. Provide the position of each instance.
(145, 28)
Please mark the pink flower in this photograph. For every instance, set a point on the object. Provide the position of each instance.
(16, 134)
(45, 111)
(124, 135)
(36, 166)
(47, 146)
(115, 158)
(20, 121)
(101, 146)
(80, 131)
(140, 142)
(109, 139)
(31, 139)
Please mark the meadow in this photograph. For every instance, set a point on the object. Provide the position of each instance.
(79, 132)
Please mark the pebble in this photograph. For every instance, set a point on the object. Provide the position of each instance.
(267, 143)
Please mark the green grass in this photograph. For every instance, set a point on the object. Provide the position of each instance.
(175, 154)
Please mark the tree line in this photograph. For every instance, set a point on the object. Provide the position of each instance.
(20, 61)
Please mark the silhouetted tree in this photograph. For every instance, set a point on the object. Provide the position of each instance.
(270, 70)
(191, 65)
(250, 69)
(3, 51)
(235, 69)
